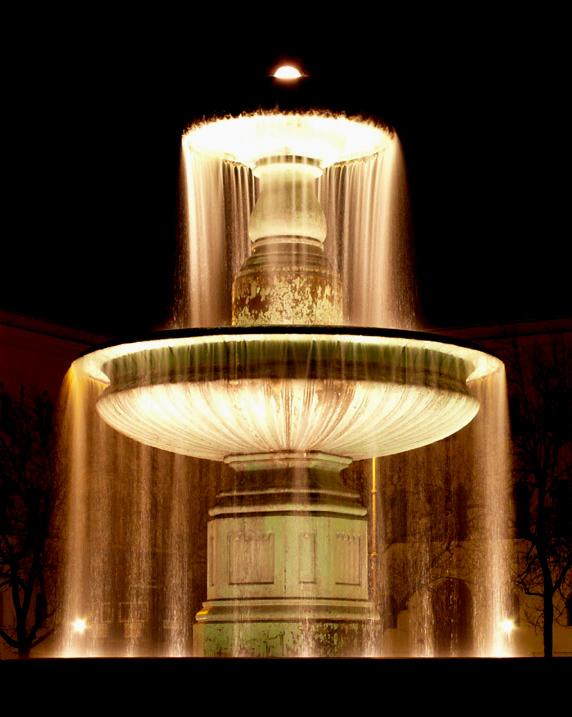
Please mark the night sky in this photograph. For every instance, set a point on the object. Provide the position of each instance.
(96, 106)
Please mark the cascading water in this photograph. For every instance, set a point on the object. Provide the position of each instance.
(312, 425)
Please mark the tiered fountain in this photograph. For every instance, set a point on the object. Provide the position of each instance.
(288, 394)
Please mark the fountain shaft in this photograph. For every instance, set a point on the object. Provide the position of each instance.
(287, 280)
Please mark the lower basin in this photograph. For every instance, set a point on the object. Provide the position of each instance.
(339, 391)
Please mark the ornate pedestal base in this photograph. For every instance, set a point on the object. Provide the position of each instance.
(287, 563)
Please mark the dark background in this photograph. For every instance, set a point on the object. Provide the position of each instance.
(95, 106)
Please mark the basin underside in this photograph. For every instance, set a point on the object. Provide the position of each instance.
(337, 392)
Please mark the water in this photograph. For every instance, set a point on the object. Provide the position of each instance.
(136, 538)
(443, 539)
(139, 558)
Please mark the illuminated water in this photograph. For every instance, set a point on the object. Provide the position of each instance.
(136, 519)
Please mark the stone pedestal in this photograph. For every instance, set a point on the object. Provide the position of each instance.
(287, 563)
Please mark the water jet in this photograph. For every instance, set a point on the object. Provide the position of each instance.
(286, 385)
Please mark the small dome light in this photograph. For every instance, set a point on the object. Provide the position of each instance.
(287, 72)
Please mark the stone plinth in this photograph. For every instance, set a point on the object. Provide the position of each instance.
(287, 564)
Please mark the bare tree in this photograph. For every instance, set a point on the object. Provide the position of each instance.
(427, 545)
(540, 391)
(424, 517)
(26, 498)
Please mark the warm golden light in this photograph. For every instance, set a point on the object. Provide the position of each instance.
(287, 72)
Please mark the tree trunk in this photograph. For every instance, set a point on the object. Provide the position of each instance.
(548, 619)
(548, 607)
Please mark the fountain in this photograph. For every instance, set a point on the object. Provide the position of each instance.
(279, 393)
